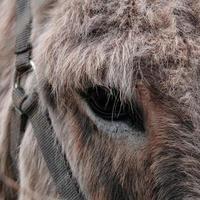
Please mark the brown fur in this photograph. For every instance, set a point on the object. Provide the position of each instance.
(149, 50)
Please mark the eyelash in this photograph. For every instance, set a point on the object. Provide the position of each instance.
(106, 104)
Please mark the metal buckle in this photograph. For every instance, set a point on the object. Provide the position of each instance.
(19, 74)
(19, 95)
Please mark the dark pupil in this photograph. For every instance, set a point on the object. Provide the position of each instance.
(107, 105)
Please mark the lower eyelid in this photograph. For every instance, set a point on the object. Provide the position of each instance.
(115, 128)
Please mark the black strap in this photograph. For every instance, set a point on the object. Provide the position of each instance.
(23, 30)
(18, 123)
(51, 150)
(27, 106)
(23, 54)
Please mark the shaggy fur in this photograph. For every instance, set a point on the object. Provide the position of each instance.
(149, 51)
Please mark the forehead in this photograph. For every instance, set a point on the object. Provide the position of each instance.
(116, 43)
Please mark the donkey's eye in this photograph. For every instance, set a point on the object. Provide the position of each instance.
(106, 104)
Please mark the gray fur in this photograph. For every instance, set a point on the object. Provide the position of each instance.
(149, 50)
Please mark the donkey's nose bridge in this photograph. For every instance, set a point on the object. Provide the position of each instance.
(143, 96)
(161, 114)
(152, 111)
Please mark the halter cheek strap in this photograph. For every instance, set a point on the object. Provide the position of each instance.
(26, 108)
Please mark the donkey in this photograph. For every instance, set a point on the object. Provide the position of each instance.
(120, 79)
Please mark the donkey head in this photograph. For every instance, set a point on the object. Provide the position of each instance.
(121, 81)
